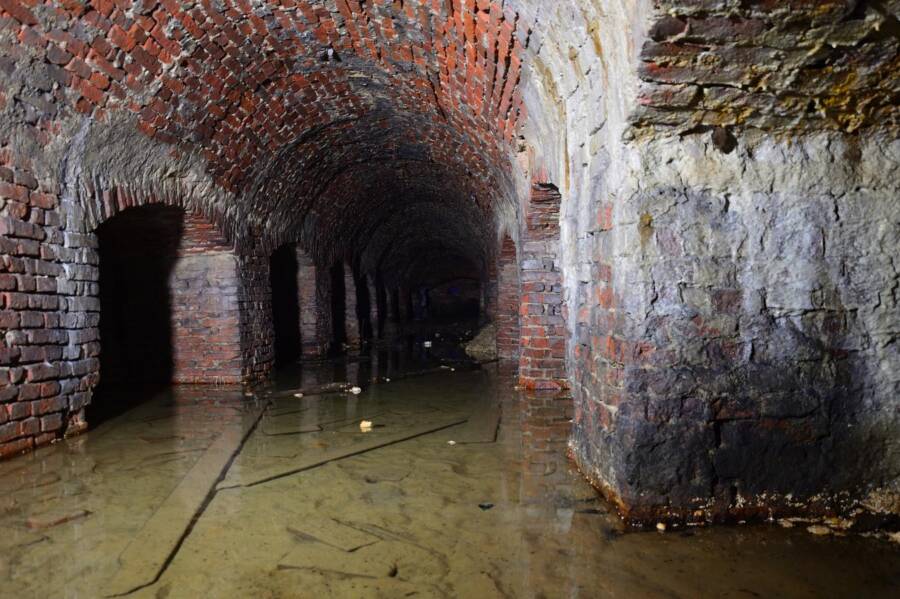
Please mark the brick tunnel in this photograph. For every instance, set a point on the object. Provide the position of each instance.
(674, 222)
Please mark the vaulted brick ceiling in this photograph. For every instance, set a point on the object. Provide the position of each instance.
(325, 119)
(318, 116)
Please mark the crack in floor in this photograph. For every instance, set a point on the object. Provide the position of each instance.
(211, 494)
(215, 488)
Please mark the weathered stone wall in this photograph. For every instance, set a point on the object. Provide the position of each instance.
(733, 340)
(795, 66)
(751, 322)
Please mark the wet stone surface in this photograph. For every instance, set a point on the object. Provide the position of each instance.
(460, 488)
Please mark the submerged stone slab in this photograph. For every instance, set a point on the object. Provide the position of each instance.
(143, 560)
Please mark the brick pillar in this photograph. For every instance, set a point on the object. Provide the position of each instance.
(373, 304)
(255, 302)
(507, 307)
(543, 344)
(404, 305)
(323, 292)
(313, 336)
(206, 308)
(351, 319)
(394, 305)
(489, 293)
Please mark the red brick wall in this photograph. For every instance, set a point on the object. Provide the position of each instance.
(507, 309)
(489, 292)
(205, 310)
(543, 335)
(48, 317)
(50, 307)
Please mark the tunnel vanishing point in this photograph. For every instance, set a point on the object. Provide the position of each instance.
(683, 214)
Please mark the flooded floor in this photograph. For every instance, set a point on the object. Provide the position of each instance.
(460, 488)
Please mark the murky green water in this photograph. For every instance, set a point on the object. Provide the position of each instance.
(460, 489)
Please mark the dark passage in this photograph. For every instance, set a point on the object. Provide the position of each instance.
(138, 251)
(285, 305)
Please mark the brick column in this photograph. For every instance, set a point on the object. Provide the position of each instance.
(507, 306)
(373, 304)
(543, 345)
(324, 334)
(313, 336)
(351, 319)
(489, 293)
(255, 302)
(404, 305)
(206, 310)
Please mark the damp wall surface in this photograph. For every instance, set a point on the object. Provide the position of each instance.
(730, 274)
(743, 347)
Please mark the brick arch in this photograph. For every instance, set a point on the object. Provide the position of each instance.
(278, 98)
(175, 280)
(105, 205)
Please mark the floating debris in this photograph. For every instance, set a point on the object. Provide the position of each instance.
(427, 344)
(818, 529)
(485, 506)
(298, 395)
(661, 526)
(365, 426)
(355, 390)
(451, 442)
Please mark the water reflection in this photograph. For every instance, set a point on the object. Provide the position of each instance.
(460, 489)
